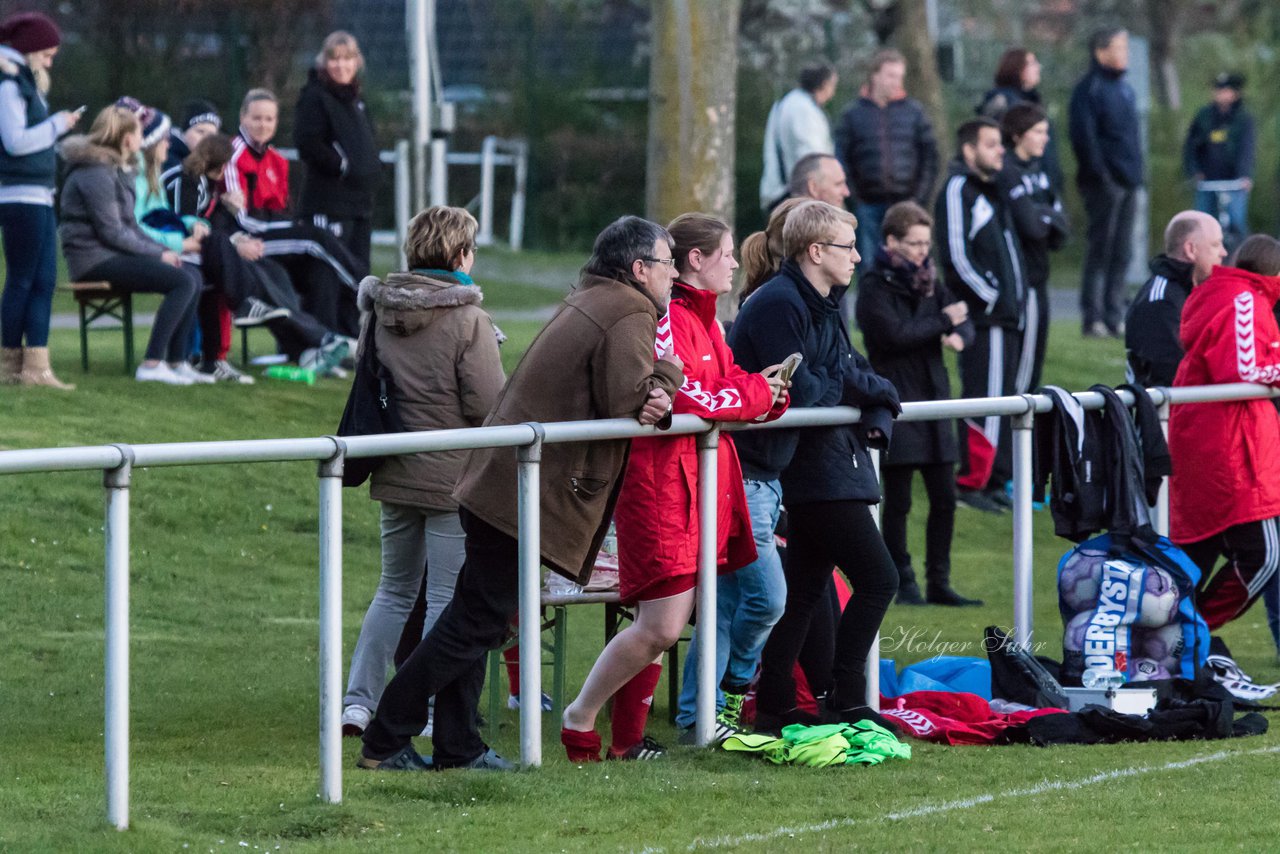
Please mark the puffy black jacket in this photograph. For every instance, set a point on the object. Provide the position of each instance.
(889, 153)
(787, 315)
(1151, 341)
(336, 143)
(1037, 214)
(903, 333)
(1220, 146)
(1104, 129)
(977, 244)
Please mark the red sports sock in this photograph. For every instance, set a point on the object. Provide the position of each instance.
(511, 658)
(631, 709)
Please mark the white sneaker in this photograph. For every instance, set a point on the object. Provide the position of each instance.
(257, 313)
(355, 720)
(431, 723)
(161, 373)
(197, 377)
(513, 701)
(224, 373)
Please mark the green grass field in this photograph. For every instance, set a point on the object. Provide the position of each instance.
(224, 709)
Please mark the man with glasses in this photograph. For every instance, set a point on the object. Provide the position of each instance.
(827, 477)
(982, 264)
(594, 359)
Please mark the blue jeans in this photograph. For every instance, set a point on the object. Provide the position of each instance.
(1237, 210)
(869, 237)
(748, 604)
(30, 252)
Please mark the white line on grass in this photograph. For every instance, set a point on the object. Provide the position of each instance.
(966, 803)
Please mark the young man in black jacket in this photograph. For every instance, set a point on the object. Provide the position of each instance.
(1193, 246)
(1220, 147)
(982, 264)
(828, 479)
(1105, 137)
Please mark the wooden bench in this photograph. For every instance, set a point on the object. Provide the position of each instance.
(99, 300)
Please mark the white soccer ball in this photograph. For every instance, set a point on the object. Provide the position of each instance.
(1073, 635)
(1147, 670)
(1159, 603)
(1164, 645)
(1080, 577)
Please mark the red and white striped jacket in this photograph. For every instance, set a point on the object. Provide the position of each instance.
(656, 516)
(1226, 455)
(262, 175)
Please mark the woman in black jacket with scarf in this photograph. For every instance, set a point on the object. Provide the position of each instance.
(907, 316)
(336, 143)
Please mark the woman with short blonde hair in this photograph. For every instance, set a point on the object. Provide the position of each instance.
(439, 237)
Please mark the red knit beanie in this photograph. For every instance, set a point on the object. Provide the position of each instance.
(29, 32)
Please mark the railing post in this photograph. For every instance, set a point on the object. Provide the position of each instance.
(1022, 556)
(1162, 502)
(708, 489)
(873, 654)
(330, 475)
(530, 549)
(488, 149)
(404, 191)
(518, 195)
(116, 680)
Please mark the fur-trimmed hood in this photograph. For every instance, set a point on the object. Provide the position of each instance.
(77, 150)
(407, 302)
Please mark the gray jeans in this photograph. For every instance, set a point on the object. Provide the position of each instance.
(414, 541)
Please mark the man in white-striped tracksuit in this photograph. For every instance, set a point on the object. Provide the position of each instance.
(982, 262)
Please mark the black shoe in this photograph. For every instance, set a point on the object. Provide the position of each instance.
(860, 713)
(487, 761)
(645, 750)
(942, 594)
(979, 501)
(773, 724)
(404, 759)
(909, 593)
(999, 497)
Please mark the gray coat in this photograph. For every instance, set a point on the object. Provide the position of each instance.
(96, 220)
(442, 351)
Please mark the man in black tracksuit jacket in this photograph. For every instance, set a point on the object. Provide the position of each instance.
(1192, 246)
(1104, 129)
(982, 263)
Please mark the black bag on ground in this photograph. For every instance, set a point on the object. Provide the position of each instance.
(1018, 676)
(371, 407)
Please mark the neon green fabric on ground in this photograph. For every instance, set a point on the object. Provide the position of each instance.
(863, 743)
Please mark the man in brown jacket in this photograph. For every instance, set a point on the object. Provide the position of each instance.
(594, 359)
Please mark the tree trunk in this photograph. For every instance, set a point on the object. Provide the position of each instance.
(1166, 18)
(923, 83)
(693, 84)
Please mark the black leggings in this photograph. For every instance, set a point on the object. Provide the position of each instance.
(823, 534)
(171, 330)
(940, 484)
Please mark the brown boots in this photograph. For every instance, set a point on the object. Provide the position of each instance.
(30, 366)
(10, 365)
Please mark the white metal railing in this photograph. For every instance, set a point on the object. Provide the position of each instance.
(117, 462)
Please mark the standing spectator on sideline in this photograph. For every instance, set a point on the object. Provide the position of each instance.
(796, 126)
(336, 142)
(1017, 81)
(594, 359)
(827, 477)
(1153, 347)
(887, 147)
(199, 119)
(28, 167)
(1042, 227)
(983, 265)
(441, 348)
(821, 177)
(657, 519)
(322, 269)
(103, 242)
(1104, 135)
(1220, 147)
(1224, 494)
(907, 316)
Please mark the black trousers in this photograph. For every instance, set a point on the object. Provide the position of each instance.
(323, 271)
(1035, 340)
(988, 368)
(1110, 210)
(355, 233)
(825, 534)
(449, 663)
(176, 316)
(939, 483)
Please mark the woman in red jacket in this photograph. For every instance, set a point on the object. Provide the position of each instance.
(1225, 489)
(657, 514)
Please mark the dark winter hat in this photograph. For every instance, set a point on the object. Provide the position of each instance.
(155, 124)
(29, 32)
(1229, 80)
(200, 112)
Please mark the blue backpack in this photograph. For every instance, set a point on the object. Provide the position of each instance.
(1111, 634)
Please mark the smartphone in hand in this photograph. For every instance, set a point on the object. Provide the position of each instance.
(789, 366)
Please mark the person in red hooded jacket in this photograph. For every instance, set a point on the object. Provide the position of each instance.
(657, 513)
(1225, 488)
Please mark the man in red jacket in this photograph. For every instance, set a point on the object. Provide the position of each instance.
(1225, 488)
